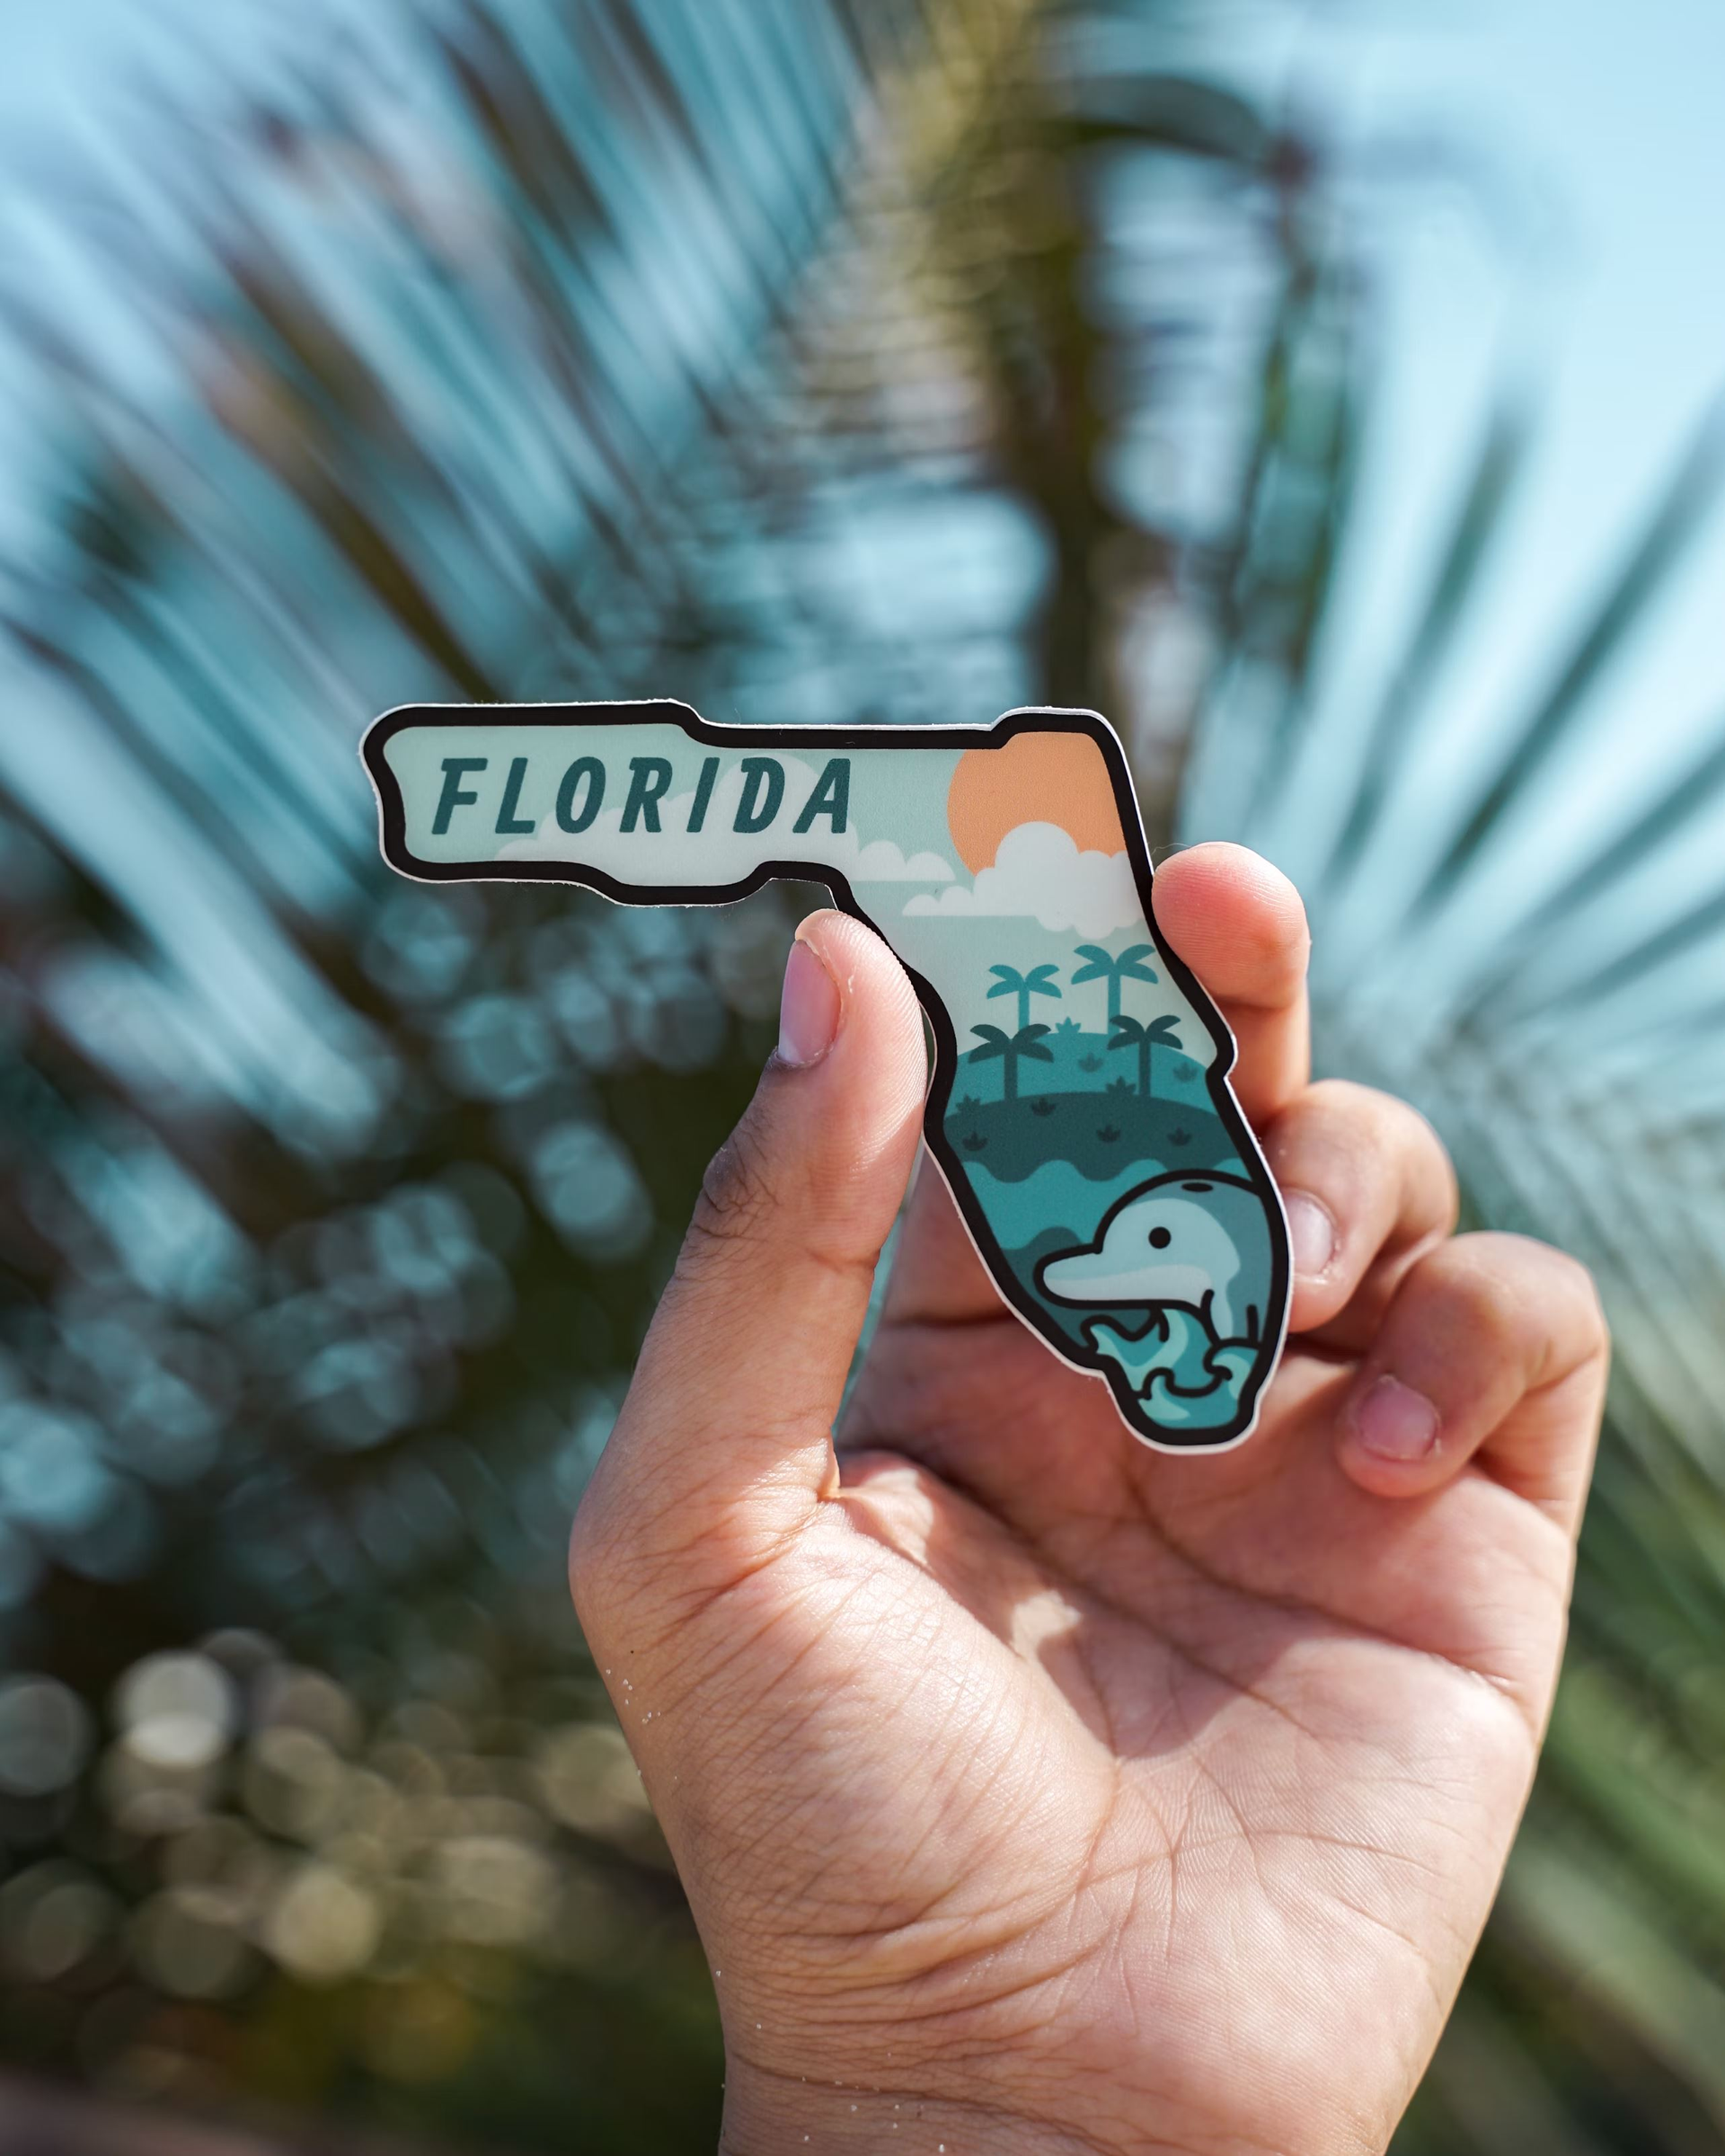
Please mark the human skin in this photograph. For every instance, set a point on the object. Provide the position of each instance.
(1035, 1791)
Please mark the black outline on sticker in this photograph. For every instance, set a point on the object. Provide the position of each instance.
(1026, 719)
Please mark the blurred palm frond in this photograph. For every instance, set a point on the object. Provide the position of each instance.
(823, 363)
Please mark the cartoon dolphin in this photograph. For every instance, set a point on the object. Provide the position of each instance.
(1180, 1238)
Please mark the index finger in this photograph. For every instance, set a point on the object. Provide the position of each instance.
(1239, 925)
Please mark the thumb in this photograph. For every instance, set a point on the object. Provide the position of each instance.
(724, 1444)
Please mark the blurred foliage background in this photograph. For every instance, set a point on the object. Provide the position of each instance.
(806, 359)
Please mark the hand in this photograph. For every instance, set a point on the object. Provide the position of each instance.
(1034, 1791)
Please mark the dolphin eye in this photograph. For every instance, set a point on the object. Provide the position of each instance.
(1160, 1239)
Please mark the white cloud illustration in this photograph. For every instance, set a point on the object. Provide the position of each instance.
(881, 861)
(1039, 873)
(670, 856)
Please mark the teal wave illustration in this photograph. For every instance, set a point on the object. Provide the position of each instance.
(1092, 1132)
(1022, 1212)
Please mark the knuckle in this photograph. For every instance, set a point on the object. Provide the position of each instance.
(1484, 1296)
(1523, 1261)
(1396, 1124)
(1514, 1288)
(1315, 1122)
(738, 1200)
(1340, 1127)
(1390, 1124)
(1570, 1286)
(1474, 1290)
(748, 1201)
(1343, 1097)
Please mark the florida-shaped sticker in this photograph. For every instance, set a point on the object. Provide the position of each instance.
(1079, 1105)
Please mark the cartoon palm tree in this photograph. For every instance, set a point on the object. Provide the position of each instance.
(1027, 1042)
(1009, 981)
(1128, 967)
(1160, 1033)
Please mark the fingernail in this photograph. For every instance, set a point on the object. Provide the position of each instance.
(1311, 1232)
(808, 1009)
(1395, 1422)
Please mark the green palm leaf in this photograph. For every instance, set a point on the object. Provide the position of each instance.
(1688, 496)
(1099, 964)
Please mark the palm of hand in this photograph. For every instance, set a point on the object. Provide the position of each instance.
(1087, 1797)
(1134, 1753)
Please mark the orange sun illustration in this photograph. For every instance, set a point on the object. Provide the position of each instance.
(1035, 779)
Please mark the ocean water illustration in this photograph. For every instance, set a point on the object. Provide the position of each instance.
(1079, 1105)
(1157, 1274)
